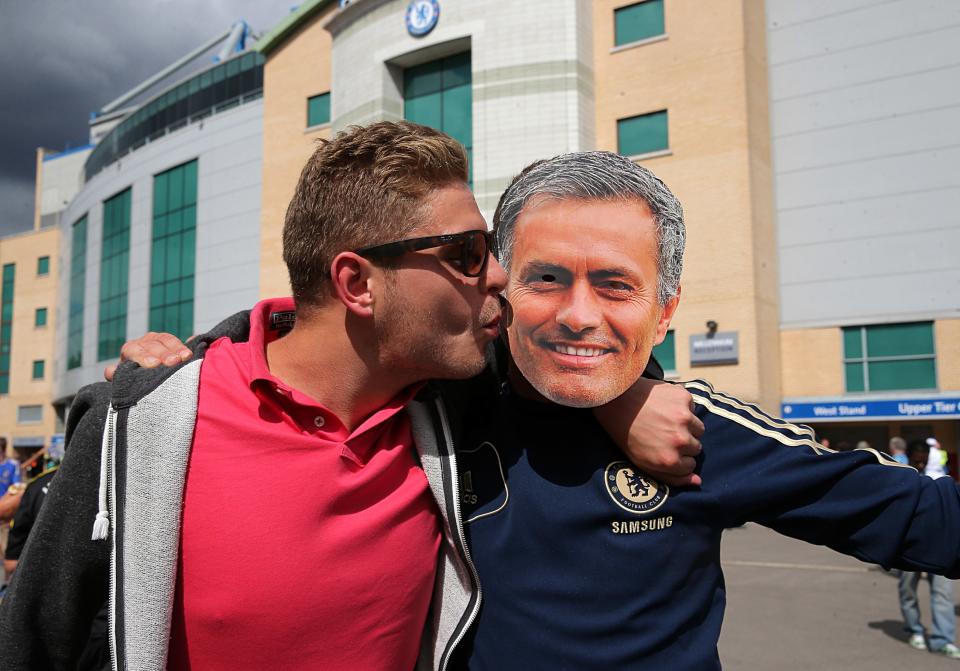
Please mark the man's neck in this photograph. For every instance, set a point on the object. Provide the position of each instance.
(334, 366)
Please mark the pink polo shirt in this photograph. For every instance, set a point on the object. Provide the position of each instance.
(304, 546)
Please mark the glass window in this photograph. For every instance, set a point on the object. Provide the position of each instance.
(38, 369)
(195, 97)
(43, 265)
(78, 279)
(666, 353)
(638, 22)
(318, 109)
(889, 357)
(642, 134)
(40, 317)
(6, 325)
(29, 414)
(114, 272)
(439, 94)
(173, 250)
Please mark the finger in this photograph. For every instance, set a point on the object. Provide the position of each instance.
(171, 342)
(692, 448)
(696, 426)
(684, 465)
(135, 351)
(688, 480)
(168, 348)
(159, 347)
(109, 371)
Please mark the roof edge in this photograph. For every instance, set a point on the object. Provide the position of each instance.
(277, 35)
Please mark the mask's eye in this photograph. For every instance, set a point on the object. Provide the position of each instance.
(547, 277)
(613, 285)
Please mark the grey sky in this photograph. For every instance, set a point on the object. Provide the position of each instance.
(61, 60)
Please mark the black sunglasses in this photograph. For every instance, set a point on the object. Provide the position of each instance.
(474, 247)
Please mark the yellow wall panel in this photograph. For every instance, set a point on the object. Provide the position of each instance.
(710, 73)
(812, 362)
(946, 333)
(295, 71)
(28, 342)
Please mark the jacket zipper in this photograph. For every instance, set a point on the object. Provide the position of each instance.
(111, 429)
(459, 539)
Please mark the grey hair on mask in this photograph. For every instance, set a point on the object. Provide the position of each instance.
(597, 175)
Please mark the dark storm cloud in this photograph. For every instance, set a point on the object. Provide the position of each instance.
(60, 61)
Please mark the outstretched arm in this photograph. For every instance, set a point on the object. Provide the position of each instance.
(653, 422)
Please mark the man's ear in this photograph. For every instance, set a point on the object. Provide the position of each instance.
(666, 317)
(351, 274)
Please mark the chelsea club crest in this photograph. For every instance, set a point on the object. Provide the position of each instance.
(422, 16)
(633, 490)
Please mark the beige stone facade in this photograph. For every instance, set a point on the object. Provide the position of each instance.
(718, 165)
(946, 333)
(811, 362)
(298, 69)
(30, 343)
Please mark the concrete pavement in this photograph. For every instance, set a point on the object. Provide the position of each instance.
(793, 606)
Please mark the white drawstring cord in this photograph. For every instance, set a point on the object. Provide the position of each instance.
(101, 525)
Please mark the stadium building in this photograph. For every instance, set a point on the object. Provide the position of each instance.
(164, 232)
(810, 142)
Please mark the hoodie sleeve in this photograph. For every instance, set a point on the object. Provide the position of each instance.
(61, 580)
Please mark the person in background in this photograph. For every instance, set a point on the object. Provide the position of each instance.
(10, 493)
(937, 459)
(898, 450)
(9, 468)
(34, 493)
(941, 589)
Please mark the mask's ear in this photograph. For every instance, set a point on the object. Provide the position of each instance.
(666, 317)
(352, 277)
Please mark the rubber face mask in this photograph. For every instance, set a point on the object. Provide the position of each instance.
(583, 297)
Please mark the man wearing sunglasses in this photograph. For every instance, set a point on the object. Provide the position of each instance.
(324, 445)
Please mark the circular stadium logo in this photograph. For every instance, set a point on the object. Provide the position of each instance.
(633, 490)
(422, 16)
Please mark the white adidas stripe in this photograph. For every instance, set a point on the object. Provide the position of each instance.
(753, 410)
(774, 433)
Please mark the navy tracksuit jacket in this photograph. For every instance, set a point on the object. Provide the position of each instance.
(585, 563)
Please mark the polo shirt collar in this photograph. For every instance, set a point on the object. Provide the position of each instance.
(272, 318)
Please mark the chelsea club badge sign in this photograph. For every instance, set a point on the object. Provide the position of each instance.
(422, 16)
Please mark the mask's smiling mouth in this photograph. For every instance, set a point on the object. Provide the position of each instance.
(576, 355)
(578, 351)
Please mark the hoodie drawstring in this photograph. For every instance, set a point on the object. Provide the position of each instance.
(101, 525)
